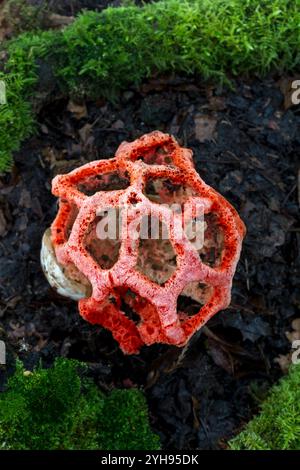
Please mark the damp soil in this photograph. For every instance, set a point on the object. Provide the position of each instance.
(73, 7)
(246, 143)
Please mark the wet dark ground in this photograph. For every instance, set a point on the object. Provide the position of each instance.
(73, 7)
(246, 145)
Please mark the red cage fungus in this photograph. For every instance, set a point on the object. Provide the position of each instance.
(146, 291)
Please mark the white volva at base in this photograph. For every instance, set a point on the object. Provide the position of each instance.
(55, 273)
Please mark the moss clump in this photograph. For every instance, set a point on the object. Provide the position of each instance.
(60, 408)
(213, 38)
(277, 427)
(20, 75)
(125, 414)
(101, 53)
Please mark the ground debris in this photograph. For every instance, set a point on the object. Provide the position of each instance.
(249, 154)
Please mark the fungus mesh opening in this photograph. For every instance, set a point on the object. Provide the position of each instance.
(211, 252)
(194, 296)
(142, 312)
(112, 181)
(128, 299)
(104, 251)
(136, 308)
(159, 155)
(167, 191)
(156, 256)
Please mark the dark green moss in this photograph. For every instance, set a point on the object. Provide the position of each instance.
(129, 418)
(60, 408)
(277, 427)
(103, 53)
(20, 75)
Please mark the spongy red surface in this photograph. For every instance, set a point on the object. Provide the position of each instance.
(120, 182)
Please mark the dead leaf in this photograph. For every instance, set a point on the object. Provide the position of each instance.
(40, 344)
(285, 85)
(84, 132)
(220, 356)
(79, 110)
(273, 125)
(284, 362)
(205, 126)
(17, 331)
(54, 156)
(13, 301)
(217, 103)
(118, 124)
(44, 129)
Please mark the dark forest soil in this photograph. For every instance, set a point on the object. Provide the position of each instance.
(246, 146)
(15, 17)
(72, 7)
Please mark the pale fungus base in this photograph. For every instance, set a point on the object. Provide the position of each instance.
(60, 278)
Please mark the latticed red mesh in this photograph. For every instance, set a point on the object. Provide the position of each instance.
(150, 278)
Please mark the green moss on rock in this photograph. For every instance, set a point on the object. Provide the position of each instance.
(60, 408)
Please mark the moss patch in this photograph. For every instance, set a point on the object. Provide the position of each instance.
(277, 427)
(103, 53)
(60, 408)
